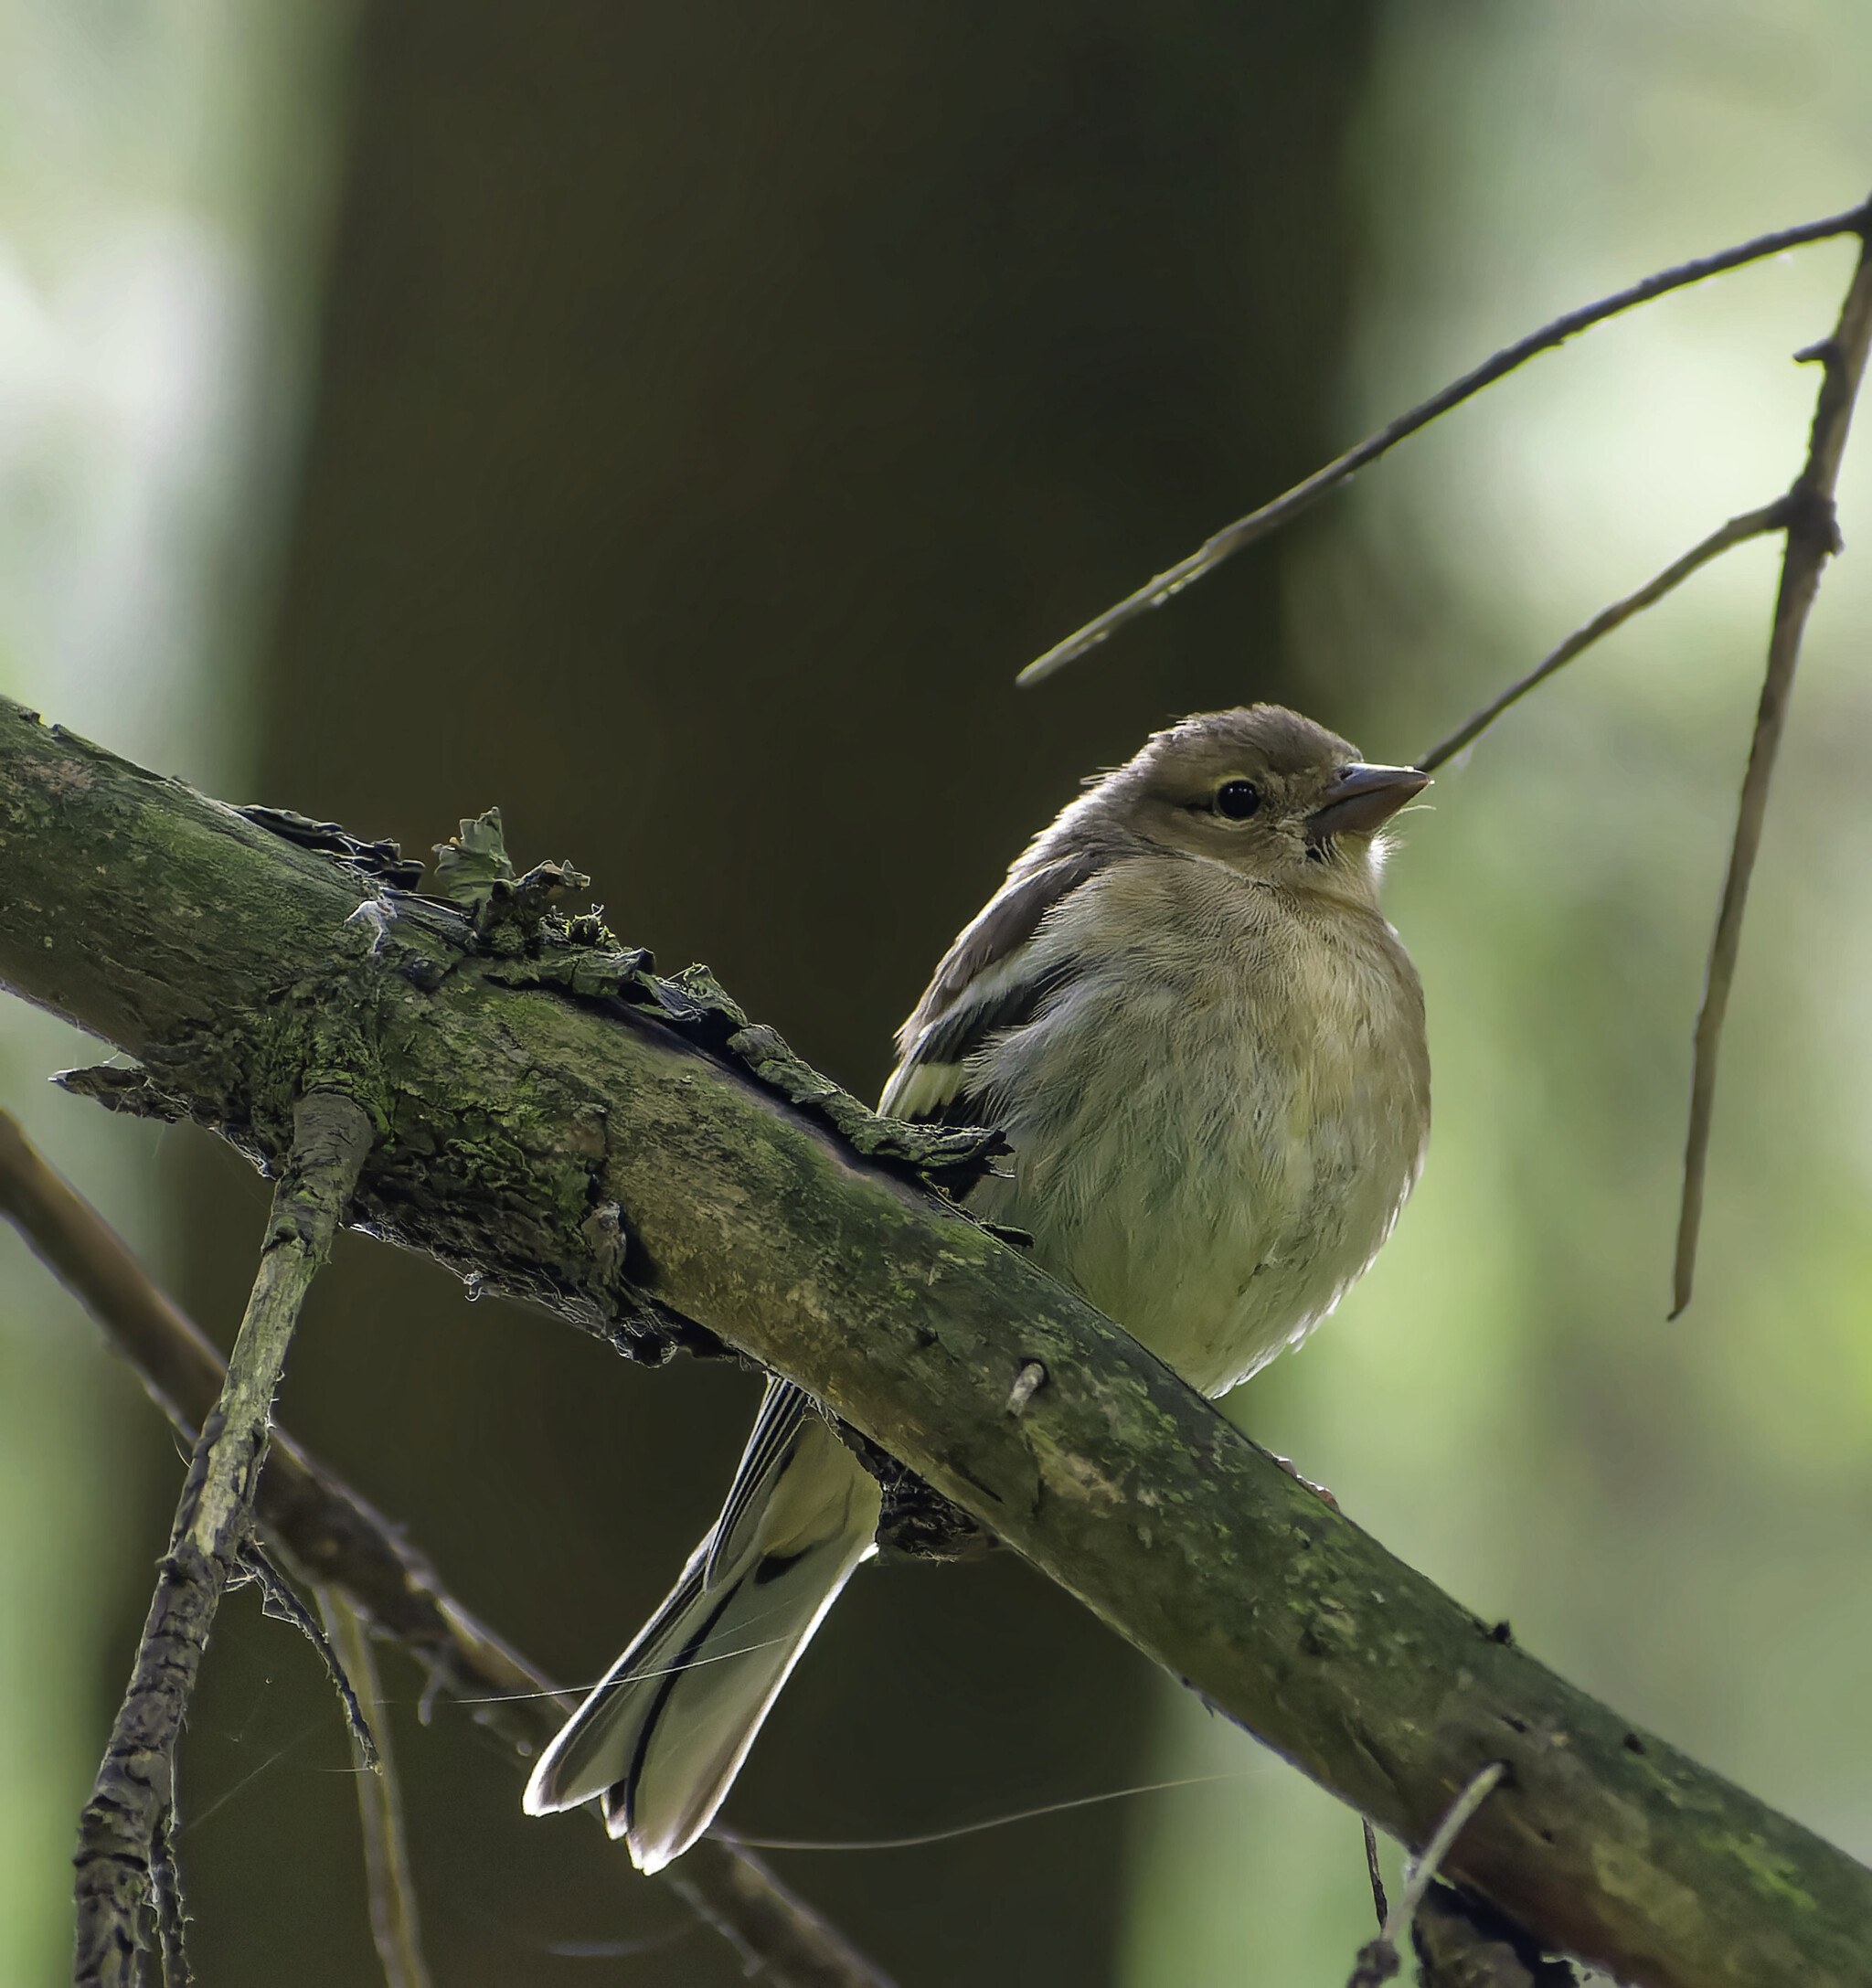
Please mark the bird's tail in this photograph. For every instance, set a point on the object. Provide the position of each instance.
(664, 1735)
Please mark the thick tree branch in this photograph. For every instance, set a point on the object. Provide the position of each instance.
(329, 1534)
(555, 1127)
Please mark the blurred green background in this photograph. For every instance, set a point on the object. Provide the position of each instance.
(677, 426)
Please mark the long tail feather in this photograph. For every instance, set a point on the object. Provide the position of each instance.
(664, 1735)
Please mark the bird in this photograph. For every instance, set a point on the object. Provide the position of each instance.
(1204, 1047)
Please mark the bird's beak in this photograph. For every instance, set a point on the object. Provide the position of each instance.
(1362, 798)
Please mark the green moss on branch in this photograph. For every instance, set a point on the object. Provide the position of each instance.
(563, 1144)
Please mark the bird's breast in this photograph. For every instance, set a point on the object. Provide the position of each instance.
(1217, 1115)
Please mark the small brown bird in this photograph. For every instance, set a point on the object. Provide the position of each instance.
(1205, 1047)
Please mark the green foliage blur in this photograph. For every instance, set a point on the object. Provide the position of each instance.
(162, 172)
(676, 428)
(1673, 1515)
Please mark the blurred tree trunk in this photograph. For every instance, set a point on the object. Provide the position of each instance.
(716, 406)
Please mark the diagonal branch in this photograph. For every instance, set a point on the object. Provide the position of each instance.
(1258, 524)
(1813, 539)
(389, 1883)
(646, 1183)
(126, 1827)
(325, 1529)
(1771, 518)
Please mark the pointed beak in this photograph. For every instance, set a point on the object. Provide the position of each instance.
(1362, 798)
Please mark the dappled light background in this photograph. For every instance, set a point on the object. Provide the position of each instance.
(677, 427)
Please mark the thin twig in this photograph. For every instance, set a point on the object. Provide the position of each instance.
(1417, 1881)
(132, 1805)
(172, 1917)
(1257, 524)
(1812, 538)
(278, 1601)
(390, 1883)
(1771, 518)
(119, 861)
(1377, 1962)
(1372, 1872)
(326, 1528)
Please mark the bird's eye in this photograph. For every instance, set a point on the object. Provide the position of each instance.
(1236, 799)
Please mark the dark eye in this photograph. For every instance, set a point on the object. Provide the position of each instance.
(1236, 799)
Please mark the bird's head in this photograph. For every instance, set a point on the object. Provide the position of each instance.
(1267, 792)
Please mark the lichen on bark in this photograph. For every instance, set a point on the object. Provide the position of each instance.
(561, 1132)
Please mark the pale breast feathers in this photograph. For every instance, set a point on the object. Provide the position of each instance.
(1215, 1092)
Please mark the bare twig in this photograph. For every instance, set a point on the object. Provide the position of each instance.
(1259, 523)
(1372, 1872)
(172, 1917)
(326, 1528)
(1812, 538)
(1771, 518)
(127, 1821)
(1377, 1960)
(390, 1886)
(279, 1602)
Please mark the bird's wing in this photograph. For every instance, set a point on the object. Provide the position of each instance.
(989, 981)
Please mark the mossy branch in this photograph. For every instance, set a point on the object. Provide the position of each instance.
(598, 1156)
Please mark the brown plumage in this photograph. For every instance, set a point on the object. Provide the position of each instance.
(1205, 1047)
